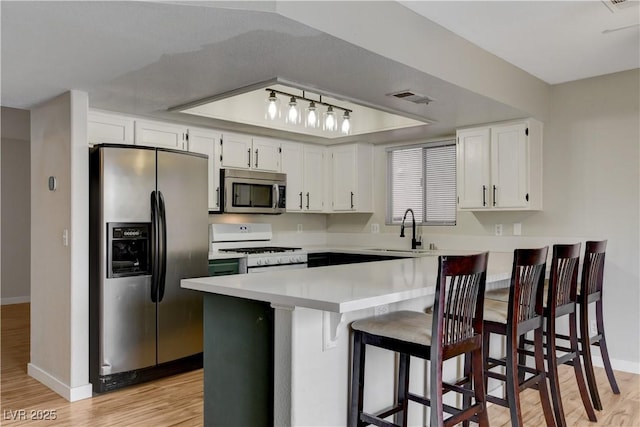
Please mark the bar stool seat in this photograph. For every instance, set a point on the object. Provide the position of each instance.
(410, 326)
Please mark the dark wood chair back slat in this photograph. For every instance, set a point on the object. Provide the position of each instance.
(527, 279)
(593, 267)
(459, 294)
(563, 280)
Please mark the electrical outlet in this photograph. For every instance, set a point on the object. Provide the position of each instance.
(517, 229)
(381, 309)
(375, 228)
(593, 328)
(299, 228)
(498, 229)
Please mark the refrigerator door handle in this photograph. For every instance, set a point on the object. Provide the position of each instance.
(155, 262)
(162, 246)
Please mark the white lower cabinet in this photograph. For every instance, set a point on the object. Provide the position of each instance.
(206, 141)
(160, 134)
(352, 178)
(105, 128)
(500, 166)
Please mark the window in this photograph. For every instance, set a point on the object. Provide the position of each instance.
(422, 178)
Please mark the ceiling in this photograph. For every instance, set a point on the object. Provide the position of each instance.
(144, 58)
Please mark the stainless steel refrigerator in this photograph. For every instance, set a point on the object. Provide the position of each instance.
(148, 230)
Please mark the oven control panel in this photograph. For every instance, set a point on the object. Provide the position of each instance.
(265, 260)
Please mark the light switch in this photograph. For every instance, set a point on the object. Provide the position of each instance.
(517, 229)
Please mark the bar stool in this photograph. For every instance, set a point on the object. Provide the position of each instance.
(522, 313)
(561, 301)
(591, 292)
(454, 329)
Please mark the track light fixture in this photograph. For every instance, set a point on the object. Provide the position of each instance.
(312, 119)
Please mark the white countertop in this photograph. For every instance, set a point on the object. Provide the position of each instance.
(343, 288)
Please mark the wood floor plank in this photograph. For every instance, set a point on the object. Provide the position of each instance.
(178, 400)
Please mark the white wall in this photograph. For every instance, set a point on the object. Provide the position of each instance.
(59, 272)
(15, 271)
(591, 190)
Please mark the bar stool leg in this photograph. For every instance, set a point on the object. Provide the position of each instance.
(585, 346)
(577, 367)
(552, 364)
(357, 382)
(603, 348)
(542, 385)
(403, 388)
(513, 380)
(478, 385)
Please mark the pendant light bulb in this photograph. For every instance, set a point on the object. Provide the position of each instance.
(293, 114)
(272, 106)
(330, 119)
(312, 115)
(346, 123)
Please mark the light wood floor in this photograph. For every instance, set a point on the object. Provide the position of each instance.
(177, 400)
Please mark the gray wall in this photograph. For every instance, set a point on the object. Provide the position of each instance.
(16, 206)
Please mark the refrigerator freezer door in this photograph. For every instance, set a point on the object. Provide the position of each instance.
(182, 180)
(128, 334)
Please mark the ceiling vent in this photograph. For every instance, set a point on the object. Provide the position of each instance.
(411, 96)
(618, 5)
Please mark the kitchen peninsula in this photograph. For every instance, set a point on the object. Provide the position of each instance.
(277, 345)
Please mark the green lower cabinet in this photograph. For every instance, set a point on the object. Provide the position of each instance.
(224, 267)
(238, 362)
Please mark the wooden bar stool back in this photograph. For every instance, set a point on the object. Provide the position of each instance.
(454, 329)
(591, 292)
(562, 301)
(523, 313)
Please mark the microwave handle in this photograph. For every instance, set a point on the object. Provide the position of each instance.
(276, 192)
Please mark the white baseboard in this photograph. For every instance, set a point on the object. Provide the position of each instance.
(616, 364)
(15, 300)
(72, 394)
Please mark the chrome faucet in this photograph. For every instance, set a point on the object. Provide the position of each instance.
(414, 243)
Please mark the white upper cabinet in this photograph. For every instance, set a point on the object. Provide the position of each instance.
(292, 166)
(104, 128)
(352, 178)
(500, 167)
(245, 152)
(313, 178)
(266, 155)
(206, 141)
(160, 134)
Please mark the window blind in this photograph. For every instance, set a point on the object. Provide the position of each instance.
(423, 178)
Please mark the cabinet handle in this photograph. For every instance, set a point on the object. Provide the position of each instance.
(352, 200)
(218, 197)
(256, 157)
(307, 200)
(249, 153)
(494, 195)
(484, 195)
(301, 200)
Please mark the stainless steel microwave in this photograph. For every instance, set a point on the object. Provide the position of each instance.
(246, 191)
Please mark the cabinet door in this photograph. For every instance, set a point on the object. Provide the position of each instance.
(206, 142)
(236, 151)
(344, 171)
(266, 155)
(157, 134)
(509, 166)
(292, 164)
(109, 129)
(313, 182)
(473, 168)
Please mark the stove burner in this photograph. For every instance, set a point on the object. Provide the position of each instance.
(261, 250)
